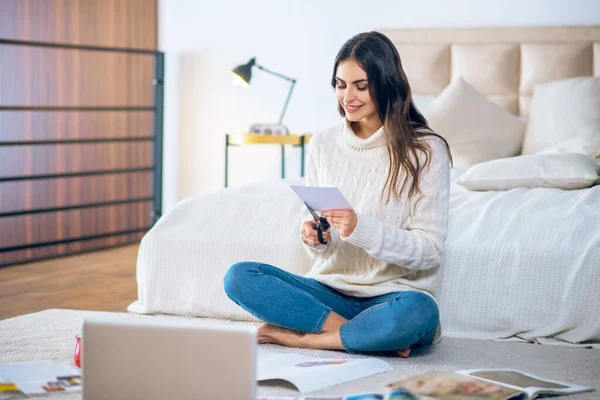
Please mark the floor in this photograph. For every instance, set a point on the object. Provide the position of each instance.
(99, 281)
(50, 335)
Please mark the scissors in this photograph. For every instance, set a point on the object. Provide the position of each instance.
(322, 224)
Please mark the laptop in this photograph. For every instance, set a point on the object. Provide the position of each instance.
(140, 357)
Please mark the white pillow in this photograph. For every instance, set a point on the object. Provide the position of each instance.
(563, 110)
(561, 171)
(590, 148)
(423, 102)
(476, 129)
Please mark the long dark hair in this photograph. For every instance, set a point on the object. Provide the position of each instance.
(389, 89)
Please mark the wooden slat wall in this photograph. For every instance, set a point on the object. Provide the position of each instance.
(115, 23)
(34, 76)
(37, 76)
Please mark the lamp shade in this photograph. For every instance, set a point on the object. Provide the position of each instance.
(244, 71)
(243, 74)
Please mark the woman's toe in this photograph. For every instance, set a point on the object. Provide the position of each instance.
(404, 353)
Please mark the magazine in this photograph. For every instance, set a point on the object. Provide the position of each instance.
(20, 380)
(399, 394)
(481, 384)
(489, 384)
(313, 373)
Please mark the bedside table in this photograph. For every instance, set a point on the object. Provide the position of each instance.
(240, 139)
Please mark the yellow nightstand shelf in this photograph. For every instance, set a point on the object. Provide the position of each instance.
(239, 139)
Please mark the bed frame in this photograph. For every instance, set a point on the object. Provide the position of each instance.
(504, 64)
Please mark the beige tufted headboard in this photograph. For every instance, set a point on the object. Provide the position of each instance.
(502, 63)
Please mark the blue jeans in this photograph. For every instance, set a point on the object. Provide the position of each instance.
(382, 323)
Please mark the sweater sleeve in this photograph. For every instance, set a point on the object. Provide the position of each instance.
(421, 245)
(311, 180)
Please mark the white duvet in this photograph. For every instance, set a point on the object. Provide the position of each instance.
(521, 264)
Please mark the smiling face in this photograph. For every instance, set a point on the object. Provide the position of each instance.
(352, 91)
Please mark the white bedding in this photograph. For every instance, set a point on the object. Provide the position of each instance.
(518, 264)
(183, 258)
(523, 263)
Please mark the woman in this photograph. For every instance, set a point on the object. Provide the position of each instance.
(370, 288)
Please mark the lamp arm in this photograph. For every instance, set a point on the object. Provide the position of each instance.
(274, 73)
(287, 100)
(283, 77)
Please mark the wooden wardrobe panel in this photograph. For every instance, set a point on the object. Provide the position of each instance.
(48, 227)
(51, 77)
(72, 158)
(114, 23)
(61, 192)
(61, 125)
(35, 76)
(20, 256)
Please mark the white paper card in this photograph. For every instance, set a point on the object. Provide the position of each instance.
(322, 198)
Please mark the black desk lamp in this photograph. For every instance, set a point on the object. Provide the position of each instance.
(244, 73)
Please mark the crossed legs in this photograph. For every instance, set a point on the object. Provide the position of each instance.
(301, 312)
(329, 338)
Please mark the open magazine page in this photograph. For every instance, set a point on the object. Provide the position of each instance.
(531, 384)
(313, 373)
(453, 386)
(391, 395)
(20, 380)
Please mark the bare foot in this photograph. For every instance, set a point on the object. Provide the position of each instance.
(268, 333)
(404, 353)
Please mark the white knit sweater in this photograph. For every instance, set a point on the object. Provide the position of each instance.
(394, 247)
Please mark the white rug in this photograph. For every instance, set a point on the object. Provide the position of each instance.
(50, 335)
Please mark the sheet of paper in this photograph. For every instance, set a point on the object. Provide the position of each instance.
(314, 373)
(322, 198)
(41, 377)
(33, 371)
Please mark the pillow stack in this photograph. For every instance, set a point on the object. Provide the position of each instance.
(560, 144)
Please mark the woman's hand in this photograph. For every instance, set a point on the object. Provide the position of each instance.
(310, 235)
(344, 221)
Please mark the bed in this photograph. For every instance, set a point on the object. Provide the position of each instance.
(520, 263)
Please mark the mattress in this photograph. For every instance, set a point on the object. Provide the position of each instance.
(521, 265)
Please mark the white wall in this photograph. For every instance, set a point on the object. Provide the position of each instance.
(203, 40)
